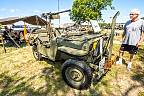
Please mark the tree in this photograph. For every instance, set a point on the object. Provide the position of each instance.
(83, 10)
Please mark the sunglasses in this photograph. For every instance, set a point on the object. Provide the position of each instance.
(133, 14)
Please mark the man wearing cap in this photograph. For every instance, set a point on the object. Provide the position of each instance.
(132, 36)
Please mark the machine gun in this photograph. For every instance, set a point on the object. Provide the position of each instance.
(53, 15)
(49, 16)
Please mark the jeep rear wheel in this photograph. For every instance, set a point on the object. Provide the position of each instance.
(77, 74)
(36, 54)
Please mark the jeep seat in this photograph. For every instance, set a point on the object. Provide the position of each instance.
(43, 37)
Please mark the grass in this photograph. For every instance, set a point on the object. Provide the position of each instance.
(22, 75)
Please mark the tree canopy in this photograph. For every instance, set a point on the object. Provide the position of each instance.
(83, 10)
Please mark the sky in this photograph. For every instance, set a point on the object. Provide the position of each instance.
(124, 6)
(13, 8)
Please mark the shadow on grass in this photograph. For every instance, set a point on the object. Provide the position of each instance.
(16, 85)
(141, 54)
(11, 44)
(56, 84)
(138, 76)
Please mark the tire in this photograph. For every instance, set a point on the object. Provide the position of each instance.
(36, 54)
(77, 74)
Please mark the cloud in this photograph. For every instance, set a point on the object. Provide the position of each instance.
(3, 9)
(36, 11)
(12, 10)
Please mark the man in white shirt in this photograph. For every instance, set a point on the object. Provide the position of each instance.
(132, 36)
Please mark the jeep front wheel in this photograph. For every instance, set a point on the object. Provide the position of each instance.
(77, 74)
(36, 54)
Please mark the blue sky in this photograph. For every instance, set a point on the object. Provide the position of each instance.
(124, 6)
(9, 8)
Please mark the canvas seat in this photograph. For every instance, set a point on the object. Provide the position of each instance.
(43, 37)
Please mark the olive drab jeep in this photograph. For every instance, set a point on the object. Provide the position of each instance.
(87, 55)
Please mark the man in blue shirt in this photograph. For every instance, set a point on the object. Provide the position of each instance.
(132, 36)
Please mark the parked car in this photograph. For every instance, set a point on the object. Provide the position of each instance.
(19, 30)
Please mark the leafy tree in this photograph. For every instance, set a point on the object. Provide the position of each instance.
(83, 10)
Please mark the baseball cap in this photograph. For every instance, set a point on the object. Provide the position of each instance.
(135, 11)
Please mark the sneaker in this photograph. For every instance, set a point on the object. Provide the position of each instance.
(129, 66)
(119, 61)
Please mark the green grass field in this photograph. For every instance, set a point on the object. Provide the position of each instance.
(22, 75)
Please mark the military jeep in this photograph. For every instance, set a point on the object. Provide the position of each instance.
(87, 55)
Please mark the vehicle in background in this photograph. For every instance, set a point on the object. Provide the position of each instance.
(20, 28)
(19, 31)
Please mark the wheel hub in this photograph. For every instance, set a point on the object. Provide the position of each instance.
(75, 74)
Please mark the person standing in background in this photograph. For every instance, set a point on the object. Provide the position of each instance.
(132, 37)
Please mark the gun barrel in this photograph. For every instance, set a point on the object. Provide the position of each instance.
(62, 11)
(46, 14)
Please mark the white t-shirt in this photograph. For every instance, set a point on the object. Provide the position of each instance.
(132, 32)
